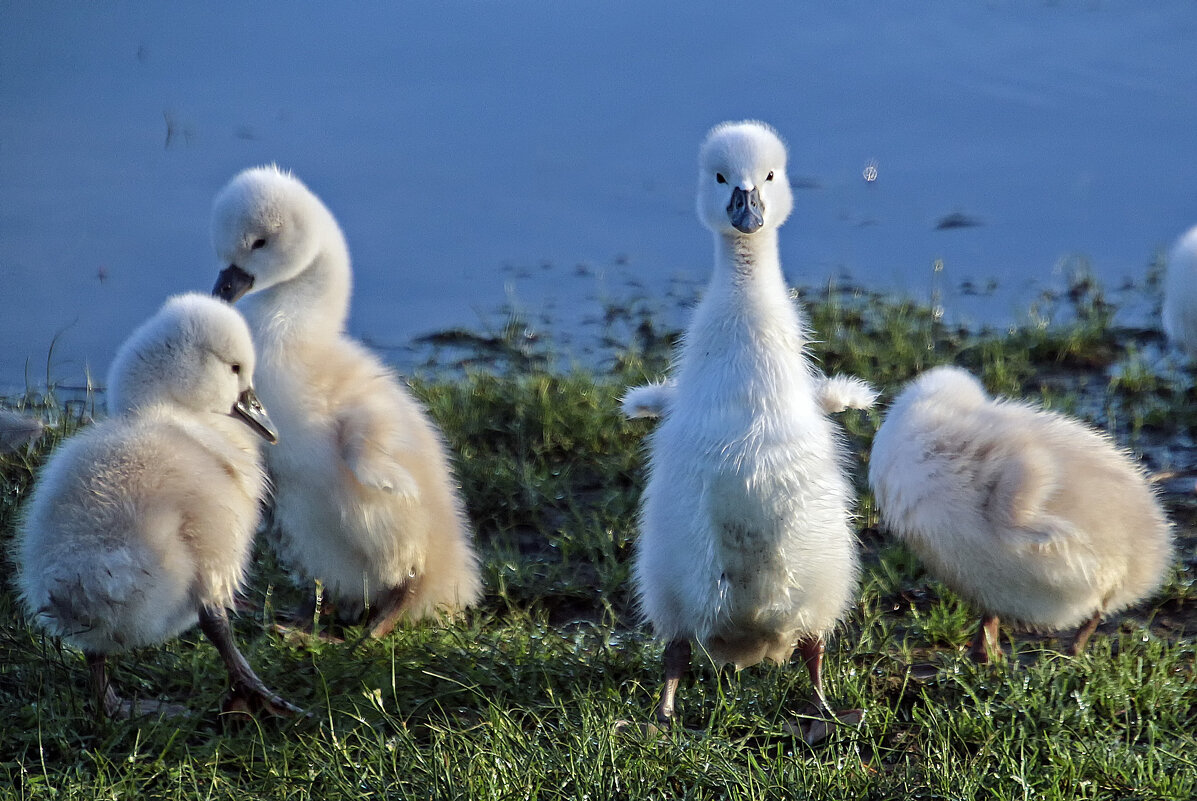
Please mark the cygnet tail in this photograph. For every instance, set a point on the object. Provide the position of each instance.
(113, 592)
(837, 393)
(452, 581)
(649, 400)
(87, 595)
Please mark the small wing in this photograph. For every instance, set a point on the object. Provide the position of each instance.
(648, 400)
(367, 453)
(837, 393)
(1018, 498)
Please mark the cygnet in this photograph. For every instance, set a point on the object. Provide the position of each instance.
(142, 524)
(364, 496)
(1027, 514)
(746, 541)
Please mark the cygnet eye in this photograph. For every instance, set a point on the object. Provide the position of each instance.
(236, 369)
(257, 244)
(719, 178)
(769, 177)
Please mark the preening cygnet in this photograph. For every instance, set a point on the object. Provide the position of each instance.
(1180, 295)
(141, 525)
(364, 496)
(1026, 513)
(746, 546)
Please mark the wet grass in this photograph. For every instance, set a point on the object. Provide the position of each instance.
(521, 698)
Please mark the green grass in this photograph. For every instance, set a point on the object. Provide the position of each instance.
(523, 697)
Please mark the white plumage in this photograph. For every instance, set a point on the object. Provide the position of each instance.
(746, 545)
(1026, 513)
(364, 499)
(1180, 295)
(833, 393)
(141, 525)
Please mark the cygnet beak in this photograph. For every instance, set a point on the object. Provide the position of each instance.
(232, 283)
(746, 210)
(253, 413)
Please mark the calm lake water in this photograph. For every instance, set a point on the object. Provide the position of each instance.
(544, 153)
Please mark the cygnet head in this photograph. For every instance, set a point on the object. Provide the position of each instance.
(742, 183)
(195, 353)
(949, 386)
(267, 227)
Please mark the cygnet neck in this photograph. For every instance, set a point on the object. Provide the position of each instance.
(750, 263)
(748, 293)
(747, 323)
(314, 304)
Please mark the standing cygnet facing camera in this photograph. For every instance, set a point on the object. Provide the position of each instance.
(746, 545)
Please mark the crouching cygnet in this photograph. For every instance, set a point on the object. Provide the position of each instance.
(141, 525)
(1027, 514)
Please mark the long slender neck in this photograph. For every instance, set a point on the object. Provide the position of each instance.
(312, 305)
(745, 344)
(748, 277)
(740, 253)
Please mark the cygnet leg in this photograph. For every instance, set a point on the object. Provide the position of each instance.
(811, 649)
(248, 693)
(1084, 633)
(108, 703)
(985, 645)
(816, 730)
(112, 706)
(677, 662)
(386, 613)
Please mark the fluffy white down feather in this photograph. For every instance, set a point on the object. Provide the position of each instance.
(746, 544)
(365, 498)
(1028, 514)
(835, 394)
(142, 518)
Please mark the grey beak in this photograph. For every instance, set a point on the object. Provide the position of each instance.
(232, 283)
(253, 413)
(746, 210)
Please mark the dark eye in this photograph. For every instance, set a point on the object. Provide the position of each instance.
(769, 177)
(719, 178)
(236, 369)
(258, 243)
